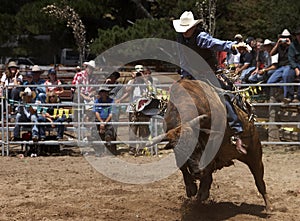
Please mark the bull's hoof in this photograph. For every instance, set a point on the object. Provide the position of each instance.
(202, 196)
(191, 190)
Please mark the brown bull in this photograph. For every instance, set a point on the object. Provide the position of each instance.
(189, 115)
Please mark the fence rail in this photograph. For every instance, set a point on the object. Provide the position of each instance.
(80, 127)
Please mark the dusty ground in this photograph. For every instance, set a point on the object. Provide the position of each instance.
(68, 188)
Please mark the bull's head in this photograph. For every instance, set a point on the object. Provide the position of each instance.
(174, 134)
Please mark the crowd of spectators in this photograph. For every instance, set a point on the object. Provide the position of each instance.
(264, 61)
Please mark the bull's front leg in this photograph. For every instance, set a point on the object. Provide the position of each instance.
(190, 183)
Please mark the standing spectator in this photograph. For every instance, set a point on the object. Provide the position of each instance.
(294, 59)
(103, 111)
(51, 114)
(137, 89)
(114, 93)
(26, 113)
(283, 72)
(86, 93)
(52, 84)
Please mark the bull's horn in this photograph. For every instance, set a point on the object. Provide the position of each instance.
(197, 120)
(156, 140)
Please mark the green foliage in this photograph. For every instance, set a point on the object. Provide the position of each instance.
(144, 28)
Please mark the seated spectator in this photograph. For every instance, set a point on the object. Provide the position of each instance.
(283, 73)
(11, 78)
(246, 64)
(103, 114)
(40, 89)
(294, 59)
(26, 113)
(266, 63)
(52, 84)
(51, 114)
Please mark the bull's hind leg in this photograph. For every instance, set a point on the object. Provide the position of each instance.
(189, 181)
(257, 169)
(205, 185)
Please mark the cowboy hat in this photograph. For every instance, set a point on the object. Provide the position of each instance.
(238, 36)
(285, 34)
(91, 63)
(103, 88)
(36, 68)
(28, 92)
(185, 22)
(268, 42)
(12, 64)
(139, 68)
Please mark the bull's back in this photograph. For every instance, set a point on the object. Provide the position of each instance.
(191, 98)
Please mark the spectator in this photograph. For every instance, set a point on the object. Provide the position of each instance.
(11, 78)
(103, 114)
(137, 89)
(86, 93)
(294, 59)
(52, 84)
(233, 59)
(26, 113)
(283, 72)
(40, 89)
(114, 93)
(246, 64)
(51, 114)
(269, 63)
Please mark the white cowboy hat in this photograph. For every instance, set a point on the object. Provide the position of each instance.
(185, 22)
(91, 63)
(139, 68)
(268, 42)
(36, 68)
(285, 34)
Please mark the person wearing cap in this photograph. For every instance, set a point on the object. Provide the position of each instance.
(103, 111)
(294, 59)
(26, 113)
(52, 84)
(193, 36)
(283, 72)
(196, 38)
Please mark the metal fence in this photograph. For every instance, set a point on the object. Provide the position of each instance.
(82, 126)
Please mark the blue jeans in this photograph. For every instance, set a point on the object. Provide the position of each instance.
(234, 122)
(60, 128)
(286, 75)
(23, 118)
(246, 72)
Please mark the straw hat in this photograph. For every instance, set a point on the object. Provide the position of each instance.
(12, 64)
(139, 68)
(185, 22)
(36, 68)
(28, 92)
(285, 34)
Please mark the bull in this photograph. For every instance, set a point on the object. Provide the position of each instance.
(194, 119)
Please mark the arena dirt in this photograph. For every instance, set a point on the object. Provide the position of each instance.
(68, 188)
